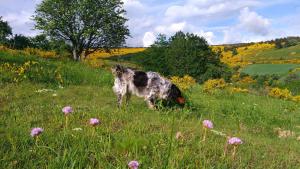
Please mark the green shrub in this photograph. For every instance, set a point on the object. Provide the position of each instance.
(182, 54)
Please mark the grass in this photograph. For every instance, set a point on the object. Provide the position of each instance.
(52, 71)
(292, 52)
(269, 69)
(135, 132)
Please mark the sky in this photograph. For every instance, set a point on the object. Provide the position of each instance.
(218, 21)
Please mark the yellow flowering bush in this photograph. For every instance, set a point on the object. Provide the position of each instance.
(247, 80)
(212, 84)
(296, 98)
(39, 52)
(18, 71)
(122, 51)
(30, 51)
(244, 53)
(94, 62)
(238, 90)
(280, 93)
(184, 83)
(235, 77)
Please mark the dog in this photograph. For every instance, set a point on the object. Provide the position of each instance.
(149, 85)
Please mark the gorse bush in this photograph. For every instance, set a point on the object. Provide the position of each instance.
(296, 98)
(280, 93)
(184, 83)
(212, 84)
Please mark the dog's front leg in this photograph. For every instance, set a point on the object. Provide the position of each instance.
(119, 100)
(150, 103)
(151, 98)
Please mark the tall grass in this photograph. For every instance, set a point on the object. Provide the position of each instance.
(54, 72)
(135, 132)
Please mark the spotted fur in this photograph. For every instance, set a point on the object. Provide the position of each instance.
(149, 85)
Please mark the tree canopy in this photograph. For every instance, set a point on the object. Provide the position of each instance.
(5, 30)
(183, 54)
(87, 25)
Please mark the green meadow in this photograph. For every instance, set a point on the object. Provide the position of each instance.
(134, 132)
(292, 52)
(269, 69)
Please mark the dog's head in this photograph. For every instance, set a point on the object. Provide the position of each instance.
(117, 70)
(176, 95)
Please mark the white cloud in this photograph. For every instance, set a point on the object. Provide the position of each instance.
(250, 28)
(218, 21)
(171, 29)
(209, 36)
(148, 39)
(253, 22)
(207, 8)
(21, 23)
(19, 15)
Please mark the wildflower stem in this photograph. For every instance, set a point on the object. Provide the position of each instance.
(205, 132)
(67, 120)
(93, 132)
(234, 151)
(36, 140)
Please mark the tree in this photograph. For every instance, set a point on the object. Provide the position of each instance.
(154, 58)
(41, 42)
(278, 44)
(183, 54)
(189, 54)
(86, 25)
(20, 42)
(5, 31)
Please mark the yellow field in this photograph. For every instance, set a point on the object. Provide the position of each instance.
(242, 53)
(114, 52)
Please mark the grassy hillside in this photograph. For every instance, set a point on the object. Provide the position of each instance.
(275, 54)
(269, 69)
(134, 132)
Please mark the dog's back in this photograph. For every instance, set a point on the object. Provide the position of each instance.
(140, 79)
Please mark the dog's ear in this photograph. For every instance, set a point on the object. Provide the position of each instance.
(118, 69)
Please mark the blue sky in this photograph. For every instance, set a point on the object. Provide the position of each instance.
(219, 21)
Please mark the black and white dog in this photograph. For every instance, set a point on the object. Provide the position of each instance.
(149, 85)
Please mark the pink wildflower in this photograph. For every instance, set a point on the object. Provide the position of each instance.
(235, 141)
(67, 110)
(207, 124)
(94, 121)
(36, 131)
(133, 165)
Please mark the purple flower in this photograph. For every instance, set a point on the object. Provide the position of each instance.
(94, 121)
(67, 110)
(36, 131)
(133, 165)
(207, 124)
(235, 141)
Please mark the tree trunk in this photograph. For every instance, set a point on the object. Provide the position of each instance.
(76, 54)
